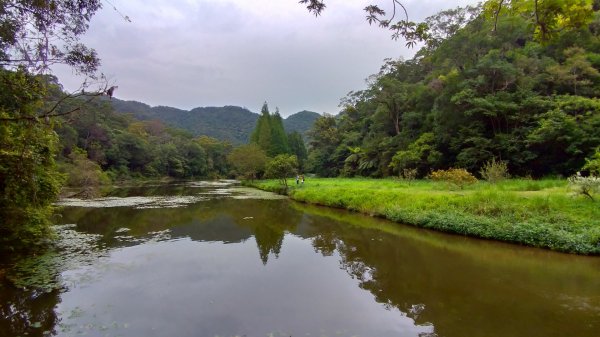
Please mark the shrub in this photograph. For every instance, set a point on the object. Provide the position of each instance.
(586, 186)
(409, 175)
(592, 164)
(455, 176)
(281, 167)
(494, 171)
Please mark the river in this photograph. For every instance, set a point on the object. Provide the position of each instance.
(216, 259)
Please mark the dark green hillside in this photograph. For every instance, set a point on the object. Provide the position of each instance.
(230, 123)
(301, 122)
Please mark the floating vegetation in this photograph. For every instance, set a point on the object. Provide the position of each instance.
(128, 239)
(71, 250)
(163, 235)
(212, 189)
(135, 202)
(253, 193)
(218, 192)
(216, 183)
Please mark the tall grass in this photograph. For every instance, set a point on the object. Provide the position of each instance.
(537, 213)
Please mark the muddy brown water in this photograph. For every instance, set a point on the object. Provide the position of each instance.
(214, 259)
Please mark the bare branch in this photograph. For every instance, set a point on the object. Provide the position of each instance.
(51, 113)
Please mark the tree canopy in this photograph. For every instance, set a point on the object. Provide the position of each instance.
(269, 133)
(487, 87)
(36, 34)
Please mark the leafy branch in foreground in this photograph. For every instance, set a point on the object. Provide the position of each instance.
(548, 18)
(37, 34)
(411, 31)
(34, 35)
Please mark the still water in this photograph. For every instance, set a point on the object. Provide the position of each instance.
(216, 259)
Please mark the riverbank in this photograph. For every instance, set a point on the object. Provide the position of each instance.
(537, 213)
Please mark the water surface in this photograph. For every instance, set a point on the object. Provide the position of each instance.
(214, 259)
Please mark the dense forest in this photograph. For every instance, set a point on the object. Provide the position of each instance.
(502, 81)
(230, 123)
(125, 147)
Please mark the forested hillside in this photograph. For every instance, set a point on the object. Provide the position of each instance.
(300, 122)
(230, 123)
(97, 140)
(490, 83)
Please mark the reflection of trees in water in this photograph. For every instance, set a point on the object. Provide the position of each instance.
(219, 220)
(463, 287)
(325, 243)
(27, 304)
(268, 240)
(27, 312)
(268, 220)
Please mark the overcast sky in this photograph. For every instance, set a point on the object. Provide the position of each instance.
(192, 53)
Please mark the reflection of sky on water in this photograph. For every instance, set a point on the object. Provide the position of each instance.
(226, 266)
(187, 288)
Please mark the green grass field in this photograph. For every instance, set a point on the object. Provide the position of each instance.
(539, 213)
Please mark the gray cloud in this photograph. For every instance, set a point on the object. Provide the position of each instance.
(189, 53)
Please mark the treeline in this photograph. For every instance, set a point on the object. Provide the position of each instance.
(119, 147)
(269, 134)
(490, 83)
(271, 152)
(97, 144)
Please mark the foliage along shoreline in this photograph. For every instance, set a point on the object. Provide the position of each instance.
(535, 213)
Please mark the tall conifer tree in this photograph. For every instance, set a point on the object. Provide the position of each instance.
(279, 142)
(262, 133)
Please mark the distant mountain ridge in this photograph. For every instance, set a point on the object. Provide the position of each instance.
(232, 123)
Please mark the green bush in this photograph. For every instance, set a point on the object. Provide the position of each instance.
(281, 167)
(456, 176)
(494, 171)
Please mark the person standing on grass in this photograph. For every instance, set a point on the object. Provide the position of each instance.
(302, 179)
(297, 179)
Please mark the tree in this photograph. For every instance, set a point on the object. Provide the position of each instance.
(592, 164)
(269, 133)
(484, 86)
(33, 36)
(248, 160)
(577, 73)
(279, 140)
(29, 180)
(216, 155)
(281, 167)
(548, 17)
(84, 174)
(421, 155)
(325, 138)
(262, 132)
(37, 34)
(298, 148)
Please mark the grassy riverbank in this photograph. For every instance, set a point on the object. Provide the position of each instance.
(539, 213)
